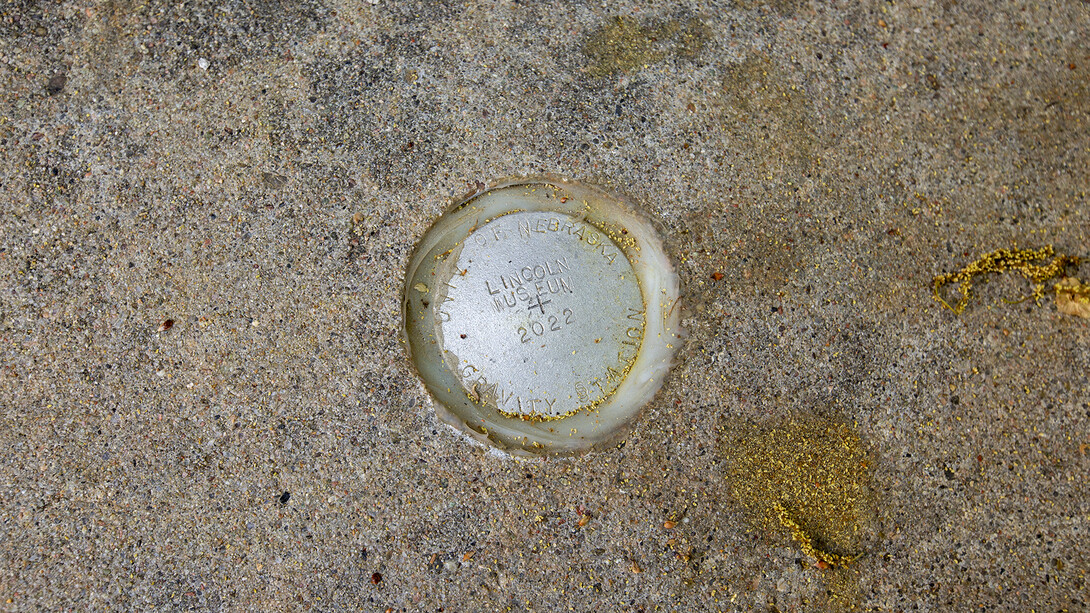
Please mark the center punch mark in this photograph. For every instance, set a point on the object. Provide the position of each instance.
(540, 304)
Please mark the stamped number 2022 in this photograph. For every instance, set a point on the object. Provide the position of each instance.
(552, 323)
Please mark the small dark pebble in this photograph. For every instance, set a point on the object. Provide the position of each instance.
(376, 578)
(273, 180)
(56, 84)
(285, 497)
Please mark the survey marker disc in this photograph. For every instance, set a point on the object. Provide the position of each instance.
(541, 314)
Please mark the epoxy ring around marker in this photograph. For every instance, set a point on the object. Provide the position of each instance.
(541, 314)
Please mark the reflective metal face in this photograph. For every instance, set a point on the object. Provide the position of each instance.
(539, 313)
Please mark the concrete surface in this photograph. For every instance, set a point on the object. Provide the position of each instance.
(258, 172)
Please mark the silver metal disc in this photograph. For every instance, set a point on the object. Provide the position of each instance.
(541, 315)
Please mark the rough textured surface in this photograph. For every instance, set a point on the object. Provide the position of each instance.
(257, 173)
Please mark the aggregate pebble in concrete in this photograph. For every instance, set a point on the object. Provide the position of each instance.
(258, 172)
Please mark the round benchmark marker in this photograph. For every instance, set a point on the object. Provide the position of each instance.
(541, 314)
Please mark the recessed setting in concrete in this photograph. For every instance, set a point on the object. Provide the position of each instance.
(541, 314)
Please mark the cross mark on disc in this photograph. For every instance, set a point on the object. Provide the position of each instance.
(540, 304)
